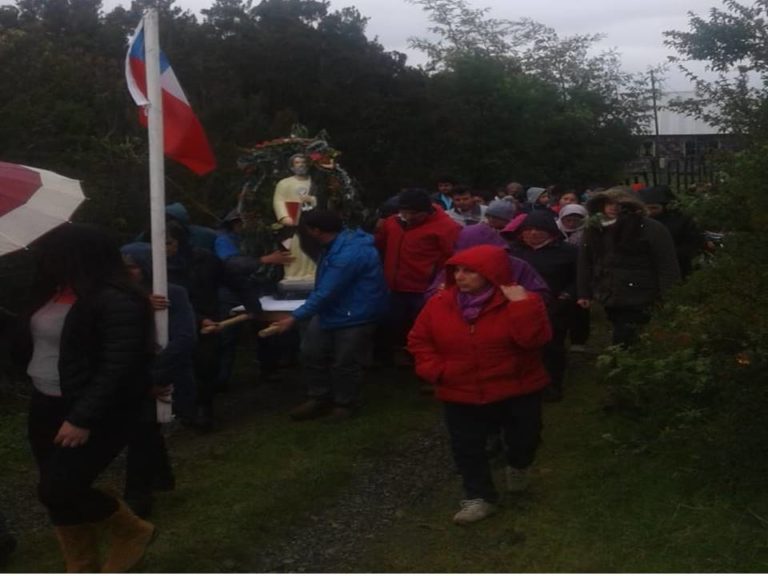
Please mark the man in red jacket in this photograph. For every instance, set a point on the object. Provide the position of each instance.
(414, 243)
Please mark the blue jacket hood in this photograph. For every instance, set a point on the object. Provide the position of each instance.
(141, 254)
(178, 212)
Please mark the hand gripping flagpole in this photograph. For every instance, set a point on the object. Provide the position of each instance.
(157, 185)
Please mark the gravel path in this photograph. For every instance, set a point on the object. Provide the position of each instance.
(381, 490)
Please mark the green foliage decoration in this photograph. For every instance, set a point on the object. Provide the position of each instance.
(266, 163)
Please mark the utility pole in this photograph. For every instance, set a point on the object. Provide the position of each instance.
(655, 127)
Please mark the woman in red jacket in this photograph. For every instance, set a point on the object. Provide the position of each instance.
(479, 343)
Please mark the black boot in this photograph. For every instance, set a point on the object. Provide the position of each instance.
(140, 504)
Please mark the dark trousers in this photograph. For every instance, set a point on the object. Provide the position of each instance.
(626, 324)
(206, 359)
(334, 361)
(468, 425)
(553, 354)
(579, 322)
(228, 341)
(67, 474)
(403, 310)
(146, 460)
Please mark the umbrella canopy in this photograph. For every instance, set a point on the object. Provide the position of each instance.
(32, 202)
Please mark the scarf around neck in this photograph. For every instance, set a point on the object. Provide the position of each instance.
(472, 304)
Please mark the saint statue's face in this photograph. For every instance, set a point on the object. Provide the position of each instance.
(299, 166)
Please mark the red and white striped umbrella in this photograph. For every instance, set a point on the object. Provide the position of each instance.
(32, 202)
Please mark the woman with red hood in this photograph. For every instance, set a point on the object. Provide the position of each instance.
(479, 343)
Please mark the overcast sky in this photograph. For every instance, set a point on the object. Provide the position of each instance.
(633, 27)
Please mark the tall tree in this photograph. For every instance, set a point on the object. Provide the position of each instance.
(733, 42)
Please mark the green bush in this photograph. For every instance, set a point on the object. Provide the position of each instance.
(697, 378)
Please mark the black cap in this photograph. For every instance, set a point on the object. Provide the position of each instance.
(414, 199)
(324, 220)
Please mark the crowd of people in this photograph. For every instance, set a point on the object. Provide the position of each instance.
(484, 298)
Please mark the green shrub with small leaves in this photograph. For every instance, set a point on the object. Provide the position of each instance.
(698, 375)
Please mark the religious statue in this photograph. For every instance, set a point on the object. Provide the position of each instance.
(293, 195)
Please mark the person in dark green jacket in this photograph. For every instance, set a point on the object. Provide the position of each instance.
(627, 262)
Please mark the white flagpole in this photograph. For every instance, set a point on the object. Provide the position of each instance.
(156, 183)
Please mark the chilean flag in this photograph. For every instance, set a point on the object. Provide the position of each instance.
(183, 135)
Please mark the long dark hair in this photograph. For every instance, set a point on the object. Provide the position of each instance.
(82, 257)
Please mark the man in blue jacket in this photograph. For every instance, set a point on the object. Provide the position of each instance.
(349, 298)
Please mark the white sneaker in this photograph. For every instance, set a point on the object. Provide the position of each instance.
(473, 511)
(517, 479)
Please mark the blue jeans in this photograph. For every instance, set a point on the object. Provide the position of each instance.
(334, 361)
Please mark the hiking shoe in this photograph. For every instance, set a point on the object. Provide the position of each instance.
(517, 479)
(473, 511)
(310, 410)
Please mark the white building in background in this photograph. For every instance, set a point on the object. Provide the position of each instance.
(673, 123)
(681, 154)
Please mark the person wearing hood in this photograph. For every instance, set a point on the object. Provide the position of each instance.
(350, 297)
(536, 199)
(688, 239)
(147, 462)
(499, 213)
(539, 242)
(200, 273)
(483, 234)
(478, 342)
(199, 236)
(245, 280)
(626, 263)
(571, 221)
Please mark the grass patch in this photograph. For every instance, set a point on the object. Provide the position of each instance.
(246, 486)
(596, 505)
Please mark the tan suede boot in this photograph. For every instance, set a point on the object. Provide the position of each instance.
(129, 537)
(80, 547)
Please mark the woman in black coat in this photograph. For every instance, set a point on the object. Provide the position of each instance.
(88, 342)
(626, 262)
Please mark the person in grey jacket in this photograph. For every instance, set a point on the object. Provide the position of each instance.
(627, 262)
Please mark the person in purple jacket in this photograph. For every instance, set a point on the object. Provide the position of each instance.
(478, 234)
